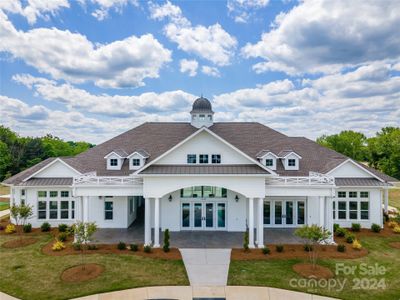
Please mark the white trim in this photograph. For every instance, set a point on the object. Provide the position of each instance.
(357, 165)
(269, 152)
(50, 164)
(292, 152)
(217, 137)
(113, 152)
(136, 152)
(204, 175)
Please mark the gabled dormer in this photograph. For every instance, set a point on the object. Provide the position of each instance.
(137, 159)
(115, 159)
(290, 160)
(268, 159)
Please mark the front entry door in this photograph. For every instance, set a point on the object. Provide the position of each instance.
(203, 215)
(284, 213)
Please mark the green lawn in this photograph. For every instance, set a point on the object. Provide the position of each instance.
(278, 273)
(394, 198)
(4, 205)
(26, 273)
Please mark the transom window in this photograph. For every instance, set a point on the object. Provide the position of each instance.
(342, 194)
(269, 162)
(191, 158)
(113, 162)
(291, 162)
(135, 162)
(202, 117)
(216, 158)
(204, 192)
(108, 210)
(203, 158)
(42, 194)
(364, 194)
(53, 194)
(352, 194)
(64, 194)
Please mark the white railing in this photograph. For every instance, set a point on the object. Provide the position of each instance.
(313, 179)
(91, 179)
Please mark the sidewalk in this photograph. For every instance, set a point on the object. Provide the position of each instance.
(4, 213)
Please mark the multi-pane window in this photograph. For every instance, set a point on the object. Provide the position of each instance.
(42, 194)
(204, 192)
(269, 162)
(353, 210)
(108, 210)
(64, 209)
(53, 194)
(291, 162)
(130, 199)
(53, 209)
(342, 209)
(364, 194)
(355, 206)
(203, 158)
(64, 194)
(342, 194)
(42, 209)
(352, 194)
(216, 158)
(113, 162)
(364, 210)
(191, 158)
(334, 210)
(135, 162)
(22, 192)
(58, 206)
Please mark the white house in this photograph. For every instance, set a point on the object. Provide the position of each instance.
(204, 175)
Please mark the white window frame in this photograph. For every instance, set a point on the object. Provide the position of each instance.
(108, 210)
(58, 200)
(200, 160)
(219, 159)
(347, 199)
(192, 155)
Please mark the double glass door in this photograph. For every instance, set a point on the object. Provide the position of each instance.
(284, 213)
(203, 215)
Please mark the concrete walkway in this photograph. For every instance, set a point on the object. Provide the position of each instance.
(207, 267)
(4, 213)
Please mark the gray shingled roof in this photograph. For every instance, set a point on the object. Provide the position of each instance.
(156, 138)
(359, 182)
(47, 182)
(205, 169)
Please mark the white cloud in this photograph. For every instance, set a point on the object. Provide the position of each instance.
(72, 57)
(210, 71)
(326, 36)
(189, 66)
(34, 8)
(212, 43)
(242, 10)
(105, 6)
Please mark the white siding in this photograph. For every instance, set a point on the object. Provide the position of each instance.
(348, 169)
(57, 169)
(120, 212)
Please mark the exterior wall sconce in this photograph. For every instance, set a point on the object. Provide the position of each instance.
(237, 198)
(170, 198)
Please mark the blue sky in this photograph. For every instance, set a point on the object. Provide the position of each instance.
(91, 69)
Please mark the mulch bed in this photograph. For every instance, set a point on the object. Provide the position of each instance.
(395, 245)
(173, 254)
(82, 273)
(297, 251)
(307, 270)
(17, 243)
(385, 232)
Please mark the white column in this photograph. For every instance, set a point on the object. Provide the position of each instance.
(85, 216)
(386, 196)
(147, 225)
(329, 216)
(251, 223)
(260, 222)
(81, 209)
(157, 223)
(322, 211)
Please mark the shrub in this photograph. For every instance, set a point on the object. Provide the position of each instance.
(147, 249)
(92, 247)
(376, 228)
(71, 230)
(279, 248)
(392, 224)
(27, 228)
(335, 227)
(166, 241)
(58, 246)
(356, 245)
(396, 229)
(246, 241)
(45, 227)
(77, 246)
(121, 246)
(356, 227)
(63, 236)
(134, 247)
(341, 248)
(341, 232)
(350, 237)
(265, 250)
(308, 247)
(63, 228)
(10, 228)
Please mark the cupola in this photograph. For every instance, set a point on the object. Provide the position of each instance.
(202, 114)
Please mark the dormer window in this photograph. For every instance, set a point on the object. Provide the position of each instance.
(115, 159)
(268, 159)
(137, 159)
(203, 158)
(269, 162)
(202, 117)
(291, 162)
(191, 158)
(216, 158)
(135, 162)
(113, 162)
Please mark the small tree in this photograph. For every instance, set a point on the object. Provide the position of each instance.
(25, 213)
(166, 240)
(315, 235)
(14, 212)
(83, 235)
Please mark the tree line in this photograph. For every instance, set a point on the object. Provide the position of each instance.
(381, 151)
(18, 153)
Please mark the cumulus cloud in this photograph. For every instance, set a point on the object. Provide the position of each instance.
(72, 57)
(104, 6)
(242, 10)
(212, 43)
(210, 71)
(189, 66)
(326, 36)
(34, 9)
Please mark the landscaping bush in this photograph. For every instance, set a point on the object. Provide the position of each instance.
(77, 246)
(335, 227)
(134, 247)
(308, 247)
(350, 238)
(92, 247)
(356, 227)
(356, 245)
(121, 246)
(341, 248)
(396, 229)
(27, 228)
(147, 249)
(392, 224)
(246, 241)
(10, 229)
(63, 228)
(71, 230)
(376, 228)
(265, 250)
(58, 246)
(166, 241)
(63, 236)
(279, 248)
(341, 232)
(45, 227)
